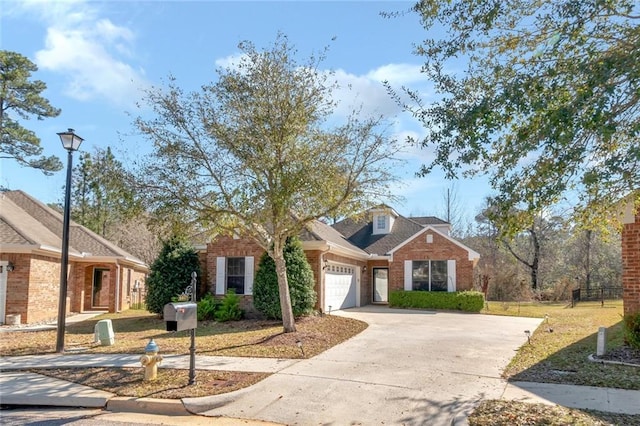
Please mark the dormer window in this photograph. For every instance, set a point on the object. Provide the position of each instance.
(382, 222)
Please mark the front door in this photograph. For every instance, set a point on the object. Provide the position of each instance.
(100, 290)
(381, 285)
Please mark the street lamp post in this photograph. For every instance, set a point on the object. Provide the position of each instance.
(71, 142)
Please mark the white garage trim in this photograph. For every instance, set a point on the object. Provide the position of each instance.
(451, 278)
(341, 287)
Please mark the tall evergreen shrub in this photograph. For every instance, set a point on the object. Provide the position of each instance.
(266, 297)
(170, 273)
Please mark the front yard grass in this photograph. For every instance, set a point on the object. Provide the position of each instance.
(561, 345)
(247, 338)
(558, 353)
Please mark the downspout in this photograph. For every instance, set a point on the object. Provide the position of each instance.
(322, 275)
(117, 287)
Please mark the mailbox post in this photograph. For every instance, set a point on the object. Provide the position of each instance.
(192, 349)
(181, 316)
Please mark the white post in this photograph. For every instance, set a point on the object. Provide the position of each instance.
(602, 341)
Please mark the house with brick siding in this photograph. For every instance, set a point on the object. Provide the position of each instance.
(101, 276)
(356, 262)
(631, 256)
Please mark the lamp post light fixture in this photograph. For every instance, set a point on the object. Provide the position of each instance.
(71, 142)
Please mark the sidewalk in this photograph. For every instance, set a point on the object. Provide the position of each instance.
(24, 388)
(21, 388)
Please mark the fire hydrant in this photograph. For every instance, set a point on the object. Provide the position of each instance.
(150, 360)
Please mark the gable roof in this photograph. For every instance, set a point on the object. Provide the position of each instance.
(320, 231)
(429, 220)
(27, 224)
(359, 232)
(473, 255)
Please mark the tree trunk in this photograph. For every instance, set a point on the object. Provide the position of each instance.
(587, 265)
(536, 259)
(288, 321)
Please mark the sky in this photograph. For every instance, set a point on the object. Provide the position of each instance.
(97, 58)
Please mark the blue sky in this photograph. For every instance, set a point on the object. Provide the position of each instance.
(96, 57)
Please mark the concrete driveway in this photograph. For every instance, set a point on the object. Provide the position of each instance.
(407, 367)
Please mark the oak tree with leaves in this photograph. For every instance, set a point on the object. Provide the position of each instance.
(258, 153)
(540, 95)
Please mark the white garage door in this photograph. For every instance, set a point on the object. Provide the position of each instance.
(340, 287)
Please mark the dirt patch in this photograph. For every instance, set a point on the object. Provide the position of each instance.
(512, 413)
(170, 384)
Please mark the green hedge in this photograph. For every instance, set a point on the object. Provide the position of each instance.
(470, 301)
(632, 330)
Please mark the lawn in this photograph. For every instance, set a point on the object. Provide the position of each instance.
(560, 347)
(249, 338)
(557, 353)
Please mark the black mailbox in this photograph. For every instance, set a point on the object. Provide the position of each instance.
(181, 316)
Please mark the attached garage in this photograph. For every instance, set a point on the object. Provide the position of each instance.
(340, 287)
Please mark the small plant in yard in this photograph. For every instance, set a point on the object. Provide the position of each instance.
(229, 309)
(632, 330)
(207, 308)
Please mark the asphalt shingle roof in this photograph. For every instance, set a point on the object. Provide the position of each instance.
(359, 231)
(319, 231)
(26, 221)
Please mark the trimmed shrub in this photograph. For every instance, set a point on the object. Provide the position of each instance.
(229, 309)
(207, 308)
(170, 273)
(469, 301)
(632, 330)
(266, 296)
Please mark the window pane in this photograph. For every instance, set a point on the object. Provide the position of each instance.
(235, 283)
(420, 275)
(438, 275)
(235, 274)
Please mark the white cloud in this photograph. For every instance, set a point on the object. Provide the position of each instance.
(231, 61)
(368, 91)
(93, 53)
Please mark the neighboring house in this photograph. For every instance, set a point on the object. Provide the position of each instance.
(101, 275)
(631, 258)
(355, 262)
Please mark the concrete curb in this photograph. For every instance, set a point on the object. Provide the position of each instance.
(167, 407)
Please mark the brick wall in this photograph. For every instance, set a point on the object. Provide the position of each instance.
(229, 247)
(44, 289)
(17, 285)
(128, 295)
(440, 249)
(631, 266)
